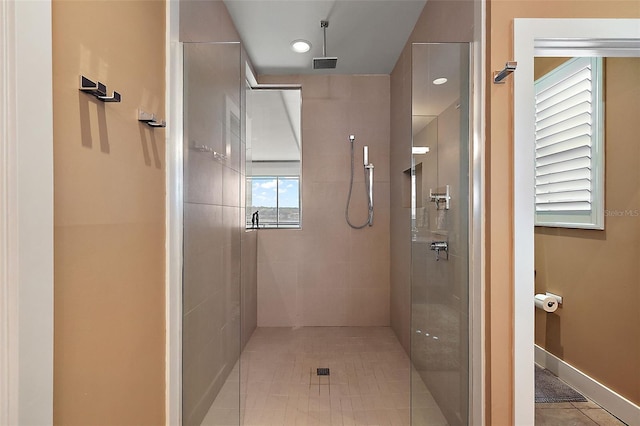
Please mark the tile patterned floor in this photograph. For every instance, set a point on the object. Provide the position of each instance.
(574, 413)
(369, 373)
(370, 384)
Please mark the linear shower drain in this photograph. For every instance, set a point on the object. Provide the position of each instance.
(323, 372)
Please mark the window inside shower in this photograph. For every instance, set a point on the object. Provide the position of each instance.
(277, 199)
(273, 157)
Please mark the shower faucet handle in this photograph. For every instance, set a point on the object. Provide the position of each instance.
(437, 246)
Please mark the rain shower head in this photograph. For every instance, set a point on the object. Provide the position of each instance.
(325, 62)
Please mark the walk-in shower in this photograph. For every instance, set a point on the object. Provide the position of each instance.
(368, 184)
(261, 309)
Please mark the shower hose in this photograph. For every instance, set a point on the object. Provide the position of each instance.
(367, 185)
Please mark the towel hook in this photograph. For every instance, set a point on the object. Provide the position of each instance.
(150, 119)
(499, 76)
(98, 89)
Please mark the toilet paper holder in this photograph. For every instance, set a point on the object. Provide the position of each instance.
(555, 296)
(548, 302)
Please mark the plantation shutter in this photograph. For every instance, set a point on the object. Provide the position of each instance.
(568, 173)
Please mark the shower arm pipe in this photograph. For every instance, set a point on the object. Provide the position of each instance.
(324, 25)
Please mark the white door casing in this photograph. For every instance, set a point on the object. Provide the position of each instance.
(26, 213)
(535, 37)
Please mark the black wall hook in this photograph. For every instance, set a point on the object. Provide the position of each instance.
(98, 89)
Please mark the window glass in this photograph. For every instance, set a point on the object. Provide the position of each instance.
(276, 201)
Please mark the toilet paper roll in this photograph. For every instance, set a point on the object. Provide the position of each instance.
(547, 303)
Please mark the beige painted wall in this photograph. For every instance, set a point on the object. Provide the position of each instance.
(597, 328)
(109, 175)
(499, 181)
(440, 21)
(327, 274)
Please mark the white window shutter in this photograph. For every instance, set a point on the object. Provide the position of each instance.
(569, 146)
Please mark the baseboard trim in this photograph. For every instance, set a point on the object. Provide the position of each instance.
(608, 399)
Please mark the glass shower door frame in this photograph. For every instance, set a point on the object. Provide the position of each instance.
(213, 224)
(437, 245)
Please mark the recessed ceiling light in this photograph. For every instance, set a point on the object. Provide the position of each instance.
(439, 81)
(419, 149)
(300, 46)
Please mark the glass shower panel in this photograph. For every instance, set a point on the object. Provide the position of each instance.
(440, 235)
(213, 226)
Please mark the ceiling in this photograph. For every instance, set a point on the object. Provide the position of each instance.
(367, 36)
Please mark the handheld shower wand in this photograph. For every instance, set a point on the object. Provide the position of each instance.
(368, 182)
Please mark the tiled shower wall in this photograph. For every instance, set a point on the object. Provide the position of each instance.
(327, 274)
(219, 256)
(440, 21)
(440, 288)
(212, 212)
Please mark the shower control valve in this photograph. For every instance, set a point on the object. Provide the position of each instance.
(437, 246)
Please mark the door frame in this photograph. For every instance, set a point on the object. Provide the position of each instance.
(26, 213)
(174, 215)
(526, 36)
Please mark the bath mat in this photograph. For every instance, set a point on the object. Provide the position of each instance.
(549, 388)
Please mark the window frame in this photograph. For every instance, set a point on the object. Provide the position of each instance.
(594, 217)
(277, 225)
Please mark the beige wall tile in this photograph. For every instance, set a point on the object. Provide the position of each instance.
(440, 21)
(314, 274)
(368, 306)
(220, 258)
(333, 108)
(249, 298)
(277, 293)
(206, 21)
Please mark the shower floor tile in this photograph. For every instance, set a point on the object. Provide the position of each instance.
(369, 380)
